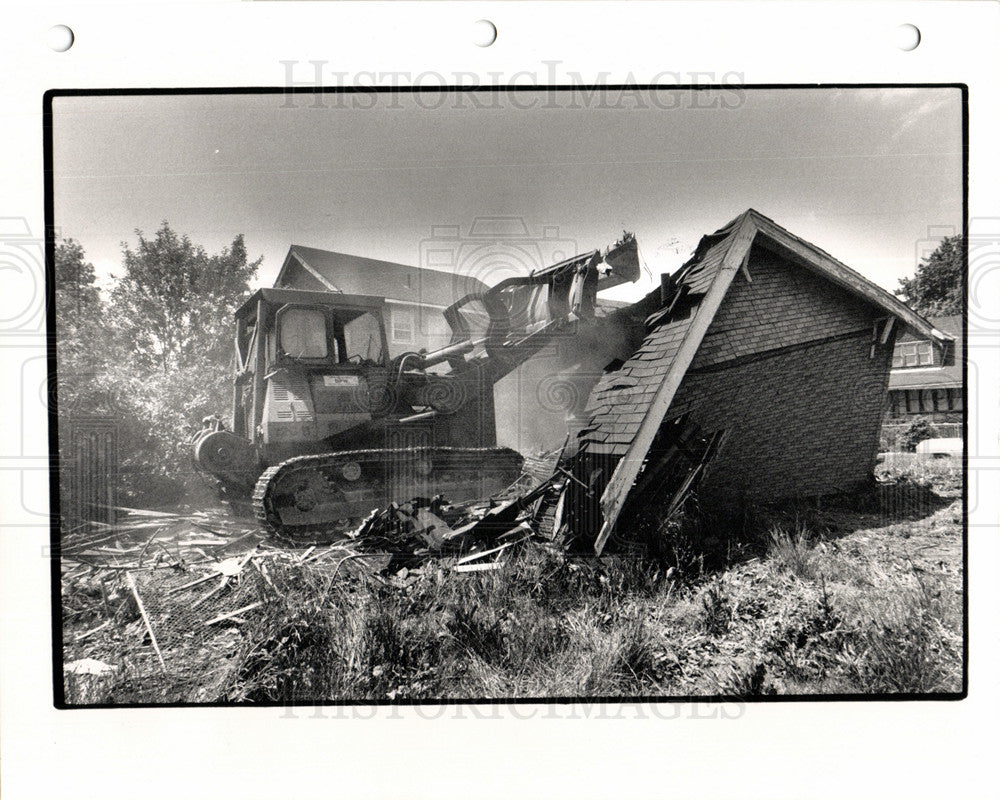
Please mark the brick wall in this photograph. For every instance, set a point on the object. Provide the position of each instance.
(783, 305)
(803, 420)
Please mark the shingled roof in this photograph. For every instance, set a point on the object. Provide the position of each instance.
(343, 272)
(635, 398)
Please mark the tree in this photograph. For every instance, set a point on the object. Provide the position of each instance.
(81, 334)
(171, 317)
(174, 305)
(76, 281)
(938, 288)
(78, 305)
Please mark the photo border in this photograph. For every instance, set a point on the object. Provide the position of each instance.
(53, 434)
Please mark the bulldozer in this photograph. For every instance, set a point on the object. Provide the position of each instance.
(326, 427)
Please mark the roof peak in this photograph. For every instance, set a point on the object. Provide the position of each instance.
(305, 250)
(327, 251)
(740, 233)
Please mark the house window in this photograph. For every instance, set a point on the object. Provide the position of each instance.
(402, 326)
(913, 354)
(955, 399)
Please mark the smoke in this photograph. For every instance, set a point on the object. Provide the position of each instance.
(538, 403)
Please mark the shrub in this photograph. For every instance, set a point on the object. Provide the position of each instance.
(914, 433)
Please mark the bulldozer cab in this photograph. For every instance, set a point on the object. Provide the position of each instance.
(317, 328)
(304, 363)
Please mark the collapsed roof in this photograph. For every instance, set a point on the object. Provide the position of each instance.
(628, 405)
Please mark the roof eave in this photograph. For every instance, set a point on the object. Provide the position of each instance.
(833, 270)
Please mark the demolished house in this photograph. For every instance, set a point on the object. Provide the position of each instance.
(758, 371)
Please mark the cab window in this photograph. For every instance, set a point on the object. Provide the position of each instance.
(363, 338)
(303, 333)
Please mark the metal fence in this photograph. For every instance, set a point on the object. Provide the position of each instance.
(90, 471)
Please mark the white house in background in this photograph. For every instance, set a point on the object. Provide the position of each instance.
(416, 298)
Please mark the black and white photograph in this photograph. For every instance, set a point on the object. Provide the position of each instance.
(566, 393)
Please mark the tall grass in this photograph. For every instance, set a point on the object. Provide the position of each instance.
(791, 551)
(944, 475)
(900, 642)
(877, 629)
(546, 625)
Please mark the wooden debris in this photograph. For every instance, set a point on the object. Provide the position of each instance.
(88, 666)
(484, 553)
(432, 529)
(142, 512)
(92, 631)
(487, 567)
(197, 582)
(204, 542)
(222, 585)
(233, 614)
(145, 618)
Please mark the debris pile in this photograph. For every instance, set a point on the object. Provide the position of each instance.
(165, 595)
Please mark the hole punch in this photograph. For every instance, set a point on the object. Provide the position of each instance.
(60, 38)
(484, 33)
(906, 37)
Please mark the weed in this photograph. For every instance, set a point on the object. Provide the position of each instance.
(900, 644)
(809, 639)
(479, 631)
(638, 653)
(292, 646)
(746, 682)
(792, 551)
(717, 611)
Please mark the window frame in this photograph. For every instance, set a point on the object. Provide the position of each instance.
(332, 347)
(909, 355)
(395, 310)
(342, 329)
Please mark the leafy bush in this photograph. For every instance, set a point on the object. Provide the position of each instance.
(914, 433)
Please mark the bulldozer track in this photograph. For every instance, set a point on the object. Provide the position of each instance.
(318, 497)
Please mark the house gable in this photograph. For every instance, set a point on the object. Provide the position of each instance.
(780, 305)
(925, 380)
(789, 371)
(295, 275)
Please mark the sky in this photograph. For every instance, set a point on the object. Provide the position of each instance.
(872, 176)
